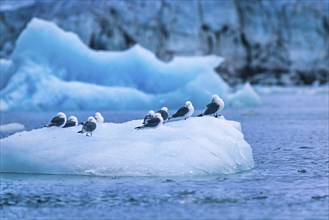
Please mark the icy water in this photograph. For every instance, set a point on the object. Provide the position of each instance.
(289, 137)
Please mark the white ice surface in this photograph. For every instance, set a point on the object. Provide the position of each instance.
(197, 146)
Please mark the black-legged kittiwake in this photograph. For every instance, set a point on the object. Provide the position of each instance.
(59, 120)
(99, 118)
(147, 117)
(71, 122)
(216, 105)
(184, 112)
(89, 126)
(154, 122)
(164, 113)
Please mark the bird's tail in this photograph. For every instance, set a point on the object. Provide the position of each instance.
(200, 115)
(80, 131)
(81, 123)
(48, 125)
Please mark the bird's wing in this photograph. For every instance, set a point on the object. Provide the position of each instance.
(146, 118)
(211, 108)
(164, 114)
(181, 112)
(152, 122)
(89, 126)
(56, 121)
(69, 124)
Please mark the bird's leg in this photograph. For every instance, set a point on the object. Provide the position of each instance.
(216, 115)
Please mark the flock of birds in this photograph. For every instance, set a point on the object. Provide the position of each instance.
(151, 120)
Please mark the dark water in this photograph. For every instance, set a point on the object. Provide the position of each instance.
(289, 137)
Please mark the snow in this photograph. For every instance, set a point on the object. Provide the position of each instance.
(197, 146)
(51, 69)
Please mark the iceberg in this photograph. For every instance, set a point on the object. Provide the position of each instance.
(245, 97)
(197, 146)
(11, 128)
(51, 69)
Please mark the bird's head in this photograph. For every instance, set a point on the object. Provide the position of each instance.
(74, 119)
(164, 109)
(98, 115)
(219, 101)
(214, 97)
(151, 112)
(61, 115)
(188, 103)
(91, 119)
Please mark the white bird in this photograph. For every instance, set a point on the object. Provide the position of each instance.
(184, 112)
(216, 105)
(71, 122)
(164, 113)
(89, 126)
(149, 115)
(154, 122)
(59, 120)
(99, 118)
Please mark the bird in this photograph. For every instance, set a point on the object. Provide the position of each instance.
(71, 122)
(149, 115)
(59, 120)
(89, 126)
(216, 105)
(164, 113)
(99, 118)
(154, 122)
(184, 112)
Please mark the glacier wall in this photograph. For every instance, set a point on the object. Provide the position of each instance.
(270, 42)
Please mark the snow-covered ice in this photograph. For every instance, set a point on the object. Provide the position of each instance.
(197, 146)
(51, 69)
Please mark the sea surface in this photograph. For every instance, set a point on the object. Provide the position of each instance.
(289, 138)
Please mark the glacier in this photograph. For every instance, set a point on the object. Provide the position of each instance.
(266, 42)
(197, 146)
(51, 69)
